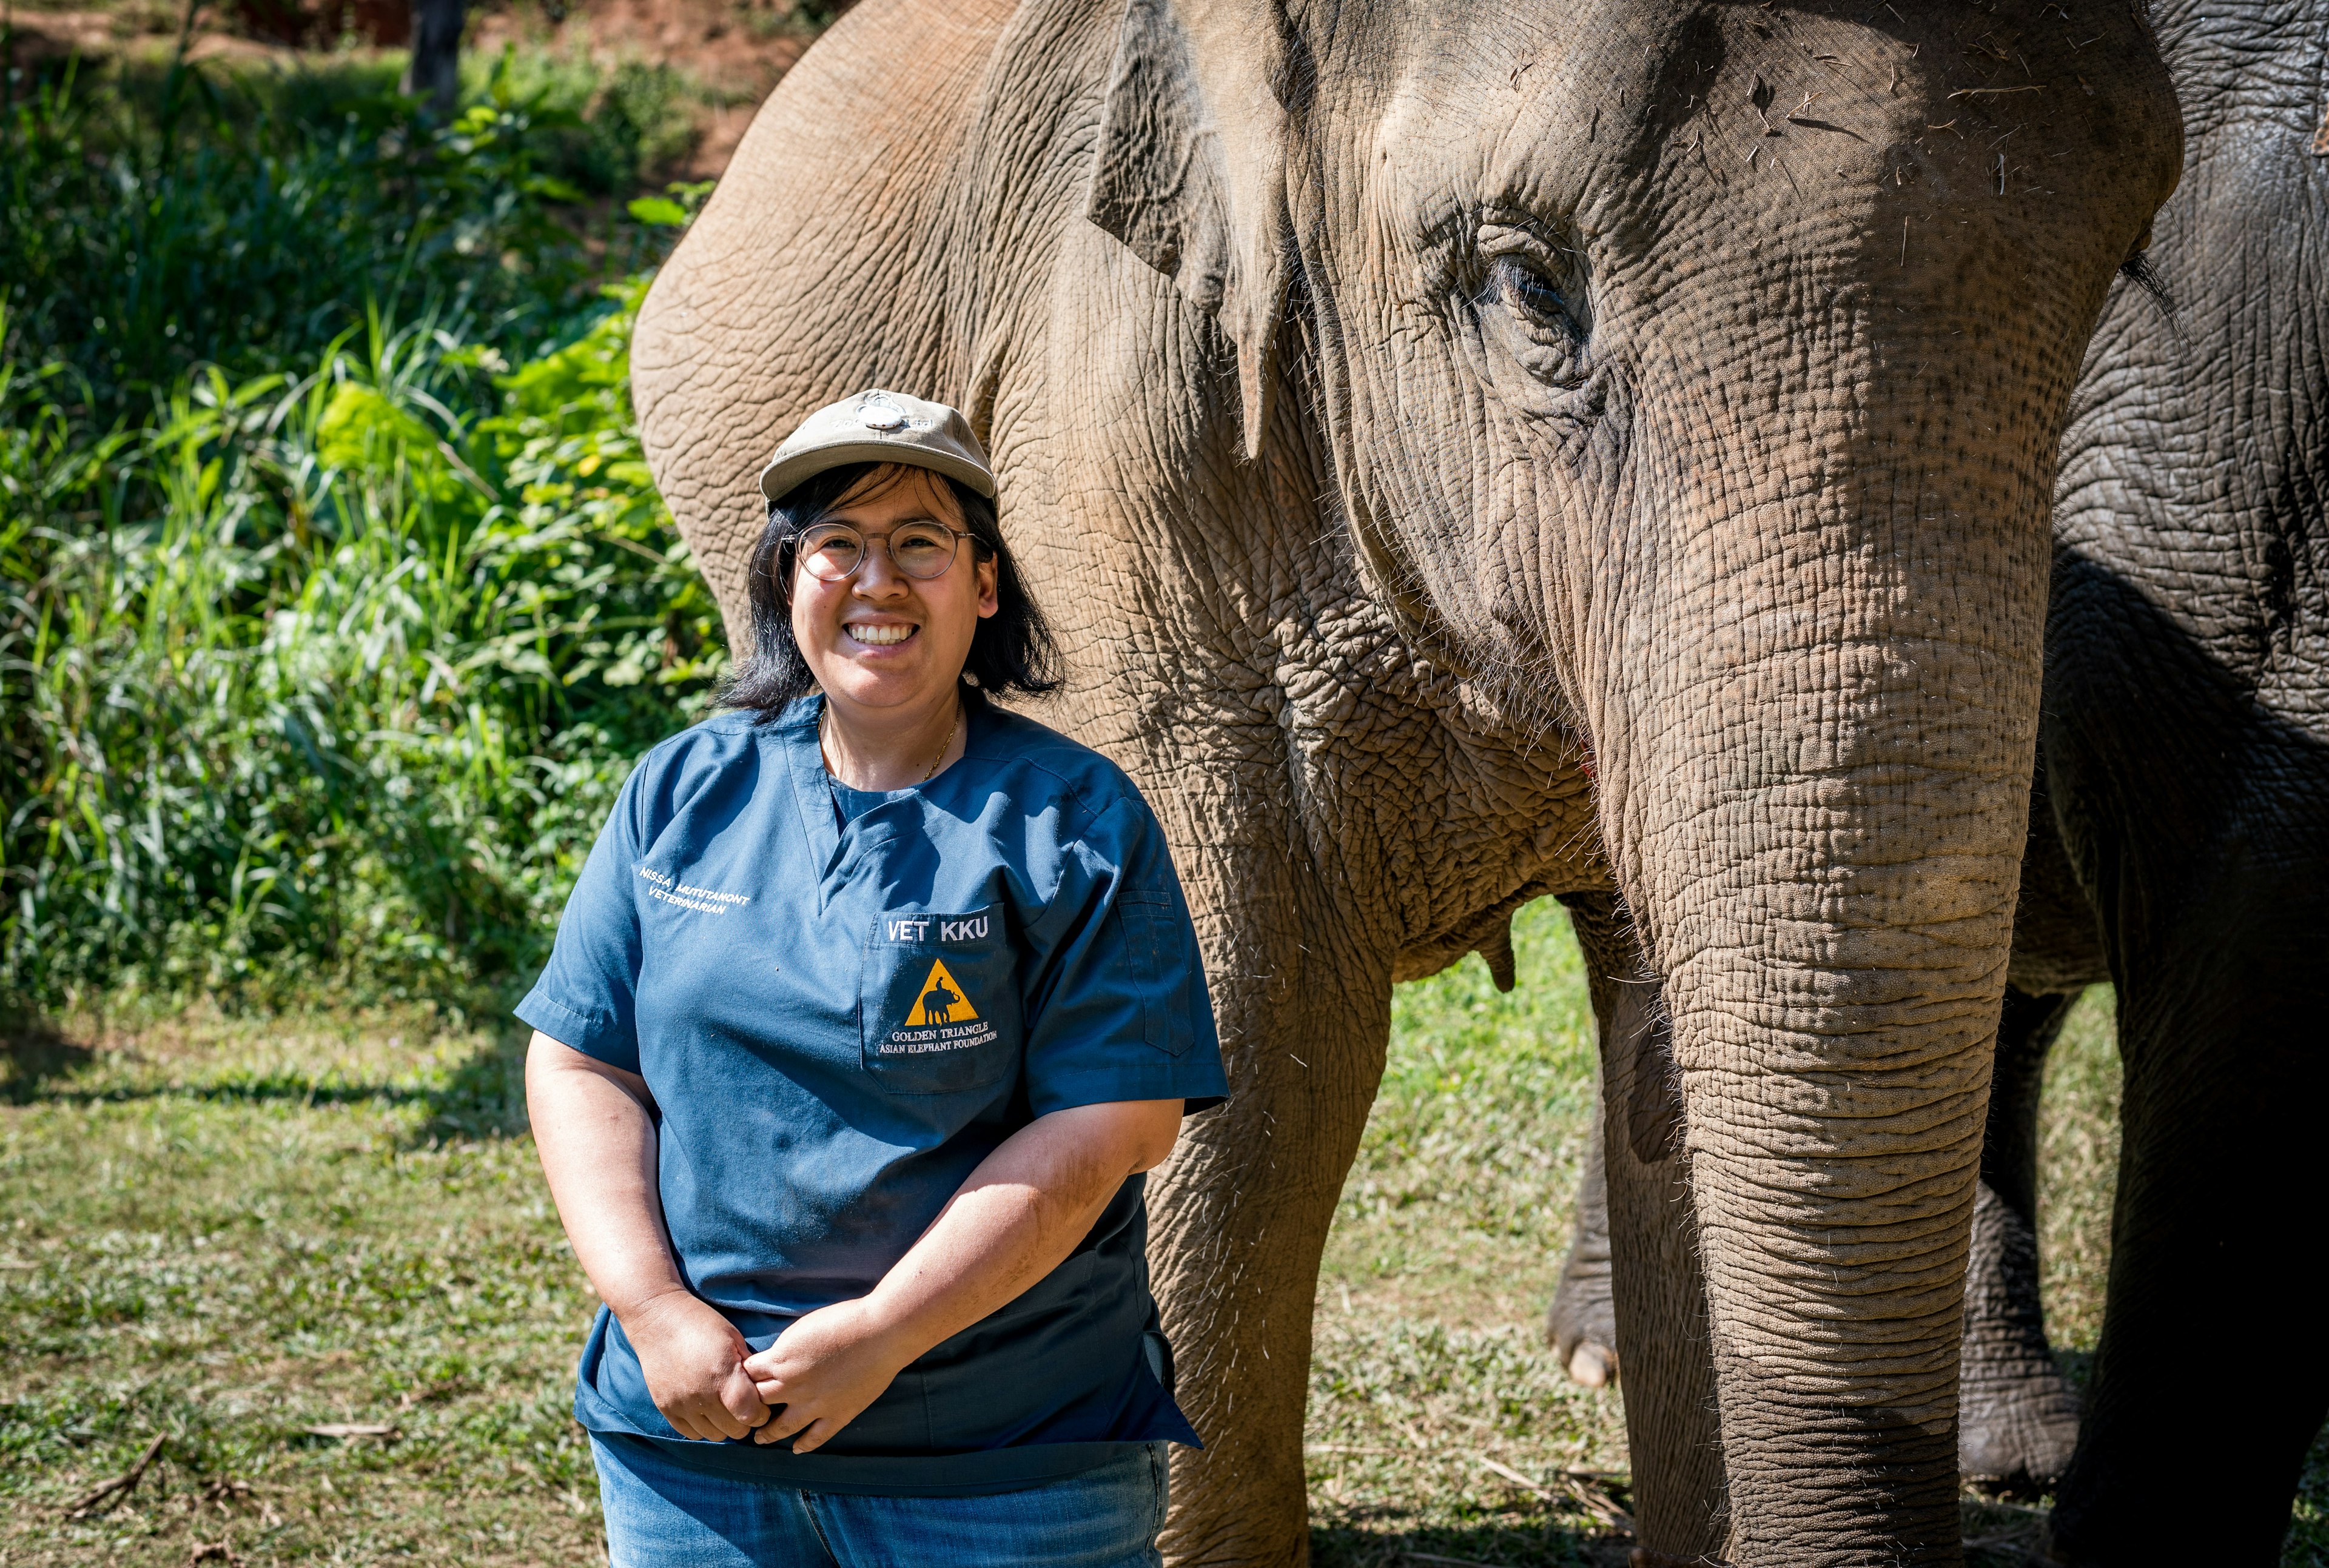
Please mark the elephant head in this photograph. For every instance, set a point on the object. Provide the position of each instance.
(1693, 374)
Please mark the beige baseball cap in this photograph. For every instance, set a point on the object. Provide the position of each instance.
(877, 427)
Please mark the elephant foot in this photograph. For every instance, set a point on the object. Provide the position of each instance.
(1582, 1325)
(2020, 1441)
(1594, 1366)
(1643, 1557)
(2018, 1419)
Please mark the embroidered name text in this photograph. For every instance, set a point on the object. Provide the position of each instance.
(917, 928)
(702, 900)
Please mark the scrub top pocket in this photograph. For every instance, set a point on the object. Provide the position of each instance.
(939, 1002)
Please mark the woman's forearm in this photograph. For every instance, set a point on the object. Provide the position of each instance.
(1018, 1216)
(596, 1136)
(594, 1128)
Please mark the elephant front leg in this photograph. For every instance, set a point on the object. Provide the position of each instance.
(2018, 1416)
(1238, 1223)
(1657, 1291)
(2211, 1341)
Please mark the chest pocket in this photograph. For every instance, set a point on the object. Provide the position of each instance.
(938, 1002)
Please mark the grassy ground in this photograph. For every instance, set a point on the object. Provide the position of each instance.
(223, 1234)
(1428, 1364)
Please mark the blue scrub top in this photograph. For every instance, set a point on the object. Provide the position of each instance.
(841, 1002)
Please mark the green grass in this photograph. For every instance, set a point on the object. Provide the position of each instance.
(1428, 1358)
(227, 1230)
(2078, 1171)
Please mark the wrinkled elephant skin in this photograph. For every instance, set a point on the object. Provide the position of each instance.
(1478, 452)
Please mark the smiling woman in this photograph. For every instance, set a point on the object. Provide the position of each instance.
(849, 1138)
(841, 479)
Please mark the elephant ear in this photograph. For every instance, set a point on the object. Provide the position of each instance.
(1191, 170)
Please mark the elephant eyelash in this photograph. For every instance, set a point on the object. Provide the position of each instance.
(1533, 272)
(1529, 289)
(2137, 269)
(1550, 339)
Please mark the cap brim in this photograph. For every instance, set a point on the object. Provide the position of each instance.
(786, 472)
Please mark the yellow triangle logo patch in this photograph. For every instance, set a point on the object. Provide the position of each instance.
(941, 1001)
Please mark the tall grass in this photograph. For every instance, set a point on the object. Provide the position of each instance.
(153, 221)
(345, 697)
(319, 659)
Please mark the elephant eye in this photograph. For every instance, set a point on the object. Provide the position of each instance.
(1535, 295)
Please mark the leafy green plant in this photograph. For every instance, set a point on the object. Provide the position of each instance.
(323, 679)
(334, 597)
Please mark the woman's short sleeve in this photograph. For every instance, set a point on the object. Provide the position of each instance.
(585, 997)
(1115, 999)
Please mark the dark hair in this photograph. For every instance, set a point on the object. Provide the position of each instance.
(1013, 649)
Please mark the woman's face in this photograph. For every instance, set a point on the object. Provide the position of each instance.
(880, 640)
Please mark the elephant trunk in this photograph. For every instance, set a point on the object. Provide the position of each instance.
(1815, 724)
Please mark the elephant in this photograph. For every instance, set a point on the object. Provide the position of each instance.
(1474, 454)
(2179, 846)
(2185, 758)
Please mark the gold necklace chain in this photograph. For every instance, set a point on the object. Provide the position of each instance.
(952, 730)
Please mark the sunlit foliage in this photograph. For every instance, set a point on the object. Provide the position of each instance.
(320, 661)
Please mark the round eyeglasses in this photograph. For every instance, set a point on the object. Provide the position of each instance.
(922, 549)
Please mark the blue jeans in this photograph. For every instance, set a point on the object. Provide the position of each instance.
(661, 1514)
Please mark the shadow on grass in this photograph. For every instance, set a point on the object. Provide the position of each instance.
(1550, 1544)
(1997, 1535)
(482, 1097)
(2079, 1368)
(486, 1095)
(2005, 1533)
(32, 1053)
(260, 1089)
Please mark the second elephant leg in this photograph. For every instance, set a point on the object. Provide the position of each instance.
(2211, 1343)
(1657, 1292)
(2018, 1416)
(1583, 1324)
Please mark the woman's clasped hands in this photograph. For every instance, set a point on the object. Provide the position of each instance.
(708, 1383)
(825, 1370)
(694, 1360)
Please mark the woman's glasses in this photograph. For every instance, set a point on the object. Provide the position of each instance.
(832, 551)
